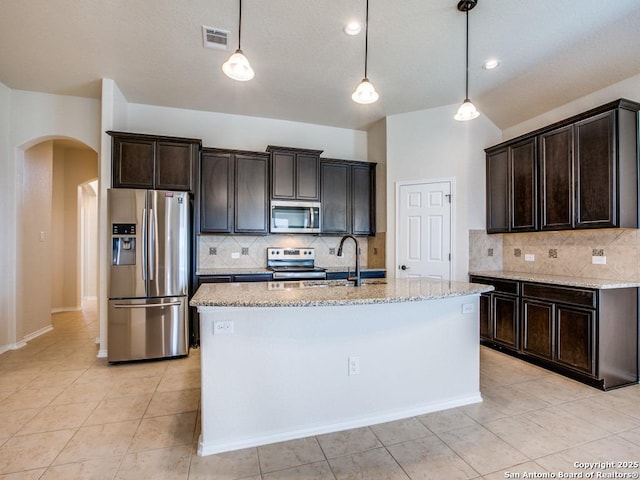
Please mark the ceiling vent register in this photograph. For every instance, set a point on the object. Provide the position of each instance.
(215, 38)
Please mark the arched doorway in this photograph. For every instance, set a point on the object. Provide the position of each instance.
(49, 234)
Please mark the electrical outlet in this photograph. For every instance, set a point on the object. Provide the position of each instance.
(223, 327)
(354, 366)
(235, 254)
(213, 251)
(467, 308)
(375, 251)
(529, 257)
(245, 250)
(332, 251)
(599, 260)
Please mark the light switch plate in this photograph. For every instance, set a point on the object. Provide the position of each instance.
(598, 260)
(529, 257)
(235, 254)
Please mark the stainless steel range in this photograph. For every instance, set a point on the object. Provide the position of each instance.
(294, 263)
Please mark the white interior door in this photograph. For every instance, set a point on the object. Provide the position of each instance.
(424, 230)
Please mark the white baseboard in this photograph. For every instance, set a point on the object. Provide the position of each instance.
(12, 346)
(65, 309)
(37, 333)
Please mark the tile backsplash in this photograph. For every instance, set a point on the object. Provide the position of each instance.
(560, 253)
(218, 251)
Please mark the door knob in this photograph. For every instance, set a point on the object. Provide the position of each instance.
(403, 267)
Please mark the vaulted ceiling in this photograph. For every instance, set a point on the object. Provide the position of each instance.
(551, 52)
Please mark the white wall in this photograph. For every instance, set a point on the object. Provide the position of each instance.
(33, 118)
(7, 292)
(629, 89)
(430, 144)
(35, 242)
(246, 133)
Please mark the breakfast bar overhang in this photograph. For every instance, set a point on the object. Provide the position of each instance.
(286, 360)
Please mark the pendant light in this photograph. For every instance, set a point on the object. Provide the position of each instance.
(365, 93)
(237, 67)
(467, 110)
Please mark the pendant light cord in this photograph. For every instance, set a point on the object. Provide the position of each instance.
(366, 39)
(240, 26)
(466, 90)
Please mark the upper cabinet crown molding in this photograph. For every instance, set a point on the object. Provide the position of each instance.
(581, 172)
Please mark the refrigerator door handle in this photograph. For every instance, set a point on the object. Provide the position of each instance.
(153, 254)
(144, 243)
(146, 305)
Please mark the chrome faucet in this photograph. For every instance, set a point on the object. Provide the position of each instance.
(355, 279)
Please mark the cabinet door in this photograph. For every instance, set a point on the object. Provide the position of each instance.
(307, 177)
(133, 163)
(575, 338)
(363, 200)
(505, 320)
(251, 194)
(174, 165)
(336, 203)
(485, 316)
(524, 196)
(283, 171)
(537, 325)
(595, 172)
(498, 191)
(216, 193)
(556, 179)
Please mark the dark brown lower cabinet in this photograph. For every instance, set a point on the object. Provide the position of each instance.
(575, 338)
(505, 320)
(587, 334)
(537, 328)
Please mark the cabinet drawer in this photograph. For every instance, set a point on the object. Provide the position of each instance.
(500, 285)
(554, 293)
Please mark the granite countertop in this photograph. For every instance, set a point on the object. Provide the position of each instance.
(255, 270)
(597, 283)
(328, 293)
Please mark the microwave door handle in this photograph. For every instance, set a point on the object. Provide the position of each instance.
(311, 225)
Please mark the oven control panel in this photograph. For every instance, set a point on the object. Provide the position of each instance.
(291, 253)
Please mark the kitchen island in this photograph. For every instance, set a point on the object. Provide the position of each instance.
(285, 360)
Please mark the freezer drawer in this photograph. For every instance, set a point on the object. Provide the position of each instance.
(147, 328)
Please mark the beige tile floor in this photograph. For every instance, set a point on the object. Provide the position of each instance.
(64, 414)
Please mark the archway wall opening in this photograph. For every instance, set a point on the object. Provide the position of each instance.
(28, 119)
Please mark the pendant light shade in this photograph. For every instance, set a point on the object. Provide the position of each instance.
(237, 66)
(467, 110)
(365, 93)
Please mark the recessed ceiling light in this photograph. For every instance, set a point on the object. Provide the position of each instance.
(352, 28)
(491, 64)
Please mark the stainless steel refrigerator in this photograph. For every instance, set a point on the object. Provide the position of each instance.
(149, 274)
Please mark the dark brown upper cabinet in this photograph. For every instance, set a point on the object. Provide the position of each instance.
(581, 173)
(348, 197)
(149, 161)
(524, 195)
(233, 193)
(295, 173)
(512, 188)
(556, 179)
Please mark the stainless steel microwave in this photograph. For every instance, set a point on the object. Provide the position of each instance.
(295, 217)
